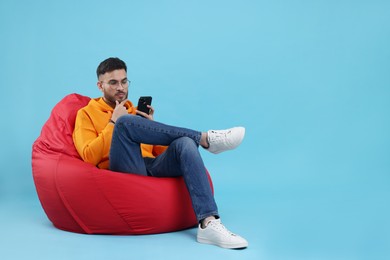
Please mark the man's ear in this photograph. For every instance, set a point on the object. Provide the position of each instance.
(100, 85)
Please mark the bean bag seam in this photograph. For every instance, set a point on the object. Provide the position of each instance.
(108, 201)
(67, 205)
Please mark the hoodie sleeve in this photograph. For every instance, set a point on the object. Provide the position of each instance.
(93, 146)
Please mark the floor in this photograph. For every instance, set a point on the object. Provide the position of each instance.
(278, 225)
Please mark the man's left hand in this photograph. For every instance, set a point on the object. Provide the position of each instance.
(151, 113)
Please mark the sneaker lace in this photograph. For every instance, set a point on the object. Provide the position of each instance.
(218, 135)
(220, 227)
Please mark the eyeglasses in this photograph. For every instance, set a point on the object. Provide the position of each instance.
(114, 84)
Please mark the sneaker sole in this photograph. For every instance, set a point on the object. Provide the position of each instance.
(223, 245)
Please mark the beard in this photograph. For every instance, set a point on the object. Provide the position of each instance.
(117, 96)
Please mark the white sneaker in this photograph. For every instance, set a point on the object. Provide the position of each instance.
(217, 234)
(223, 140)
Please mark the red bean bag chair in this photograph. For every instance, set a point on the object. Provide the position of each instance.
(78, 197)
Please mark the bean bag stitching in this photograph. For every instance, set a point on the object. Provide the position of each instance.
(66, 204)
(109, 202)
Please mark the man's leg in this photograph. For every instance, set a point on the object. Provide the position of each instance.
(182, 158)
(125, 156)
(130, 131)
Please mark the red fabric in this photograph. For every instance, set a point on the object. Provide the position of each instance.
(78, 197)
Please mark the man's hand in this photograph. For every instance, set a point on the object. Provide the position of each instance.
(119, 110)
(151, 113)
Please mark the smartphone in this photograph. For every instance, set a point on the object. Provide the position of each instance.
(143, 103)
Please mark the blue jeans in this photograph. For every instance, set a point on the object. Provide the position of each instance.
(182, 158)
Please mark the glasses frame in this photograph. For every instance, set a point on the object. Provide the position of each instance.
(117, 83)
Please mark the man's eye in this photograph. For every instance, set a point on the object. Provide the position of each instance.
(113, 82)
(124, 81)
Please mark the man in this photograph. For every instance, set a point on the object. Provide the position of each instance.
(112, 134)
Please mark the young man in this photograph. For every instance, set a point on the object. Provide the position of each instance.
(112, 134)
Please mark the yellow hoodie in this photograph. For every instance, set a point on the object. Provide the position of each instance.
(92, 133)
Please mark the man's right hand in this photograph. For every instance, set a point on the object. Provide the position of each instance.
(119, 110)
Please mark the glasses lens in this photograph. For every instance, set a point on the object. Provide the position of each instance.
(114, 84)
(125, 82)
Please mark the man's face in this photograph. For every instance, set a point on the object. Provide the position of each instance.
(114, 86)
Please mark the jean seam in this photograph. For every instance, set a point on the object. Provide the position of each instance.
(196, 138)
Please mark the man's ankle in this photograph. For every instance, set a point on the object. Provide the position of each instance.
(204, 222)
(203, 141)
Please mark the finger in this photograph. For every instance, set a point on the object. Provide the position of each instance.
(141, 113)
(116, 103)
(145, 115)
(123, 102)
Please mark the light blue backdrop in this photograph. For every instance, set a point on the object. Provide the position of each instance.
(309, 80)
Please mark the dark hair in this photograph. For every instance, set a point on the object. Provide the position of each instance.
(109, 65)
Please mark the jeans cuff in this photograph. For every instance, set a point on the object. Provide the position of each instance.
(203, 216)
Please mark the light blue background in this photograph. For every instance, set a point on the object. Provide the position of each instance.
(309, 80)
